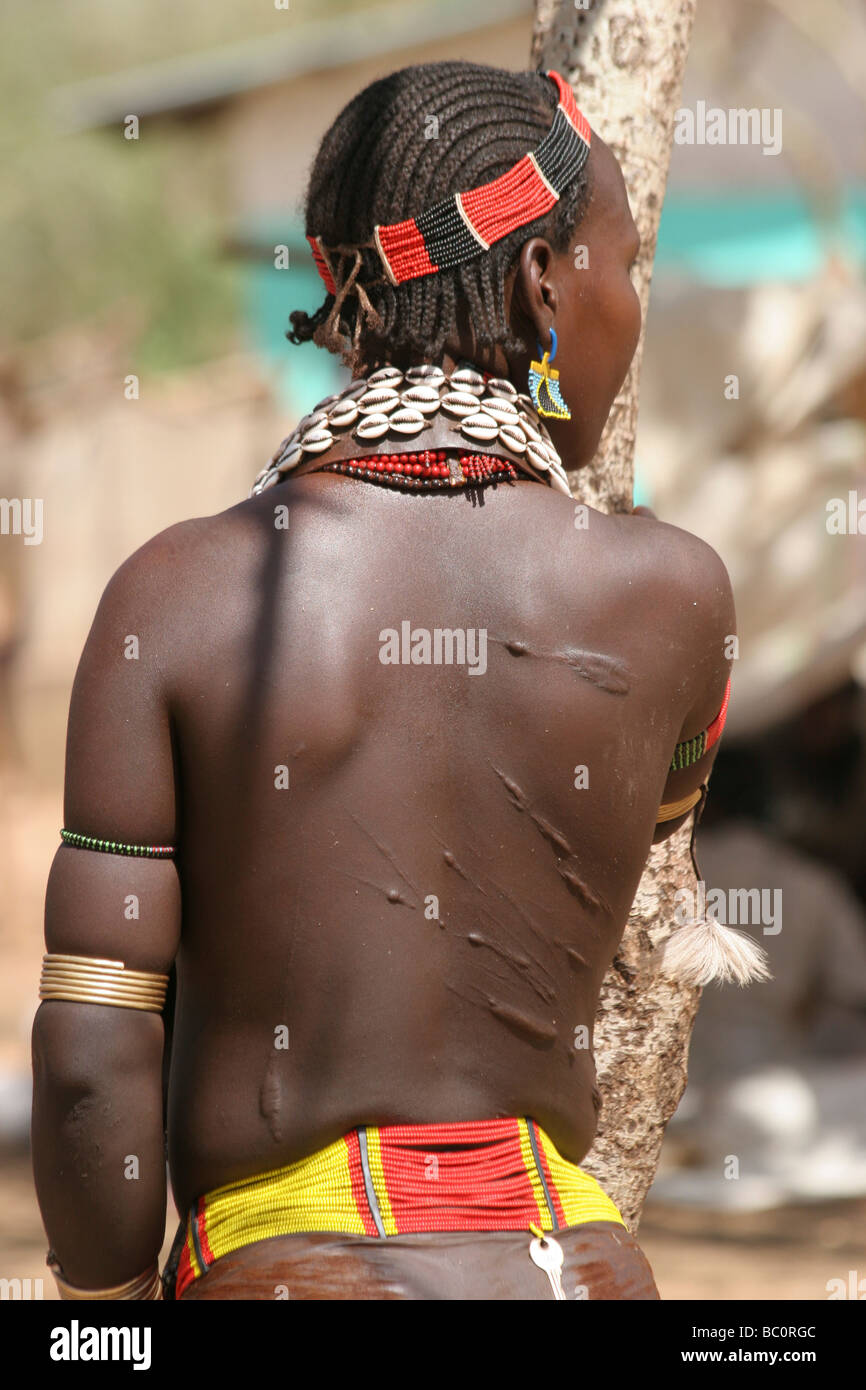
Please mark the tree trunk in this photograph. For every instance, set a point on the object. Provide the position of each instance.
(625, 62)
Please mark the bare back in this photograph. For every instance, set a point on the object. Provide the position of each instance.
(403, 881)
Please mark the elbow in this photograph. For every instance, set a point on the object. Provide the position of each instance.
(76, 1048)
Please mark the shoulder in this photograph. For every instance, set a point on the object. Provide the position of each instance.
(172, 566)
(170, 598)
(680, 556)
(684, 578)
(149, 568)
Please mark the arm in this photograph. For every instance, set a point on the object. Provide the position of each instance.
(704, 597)
(97, 1131)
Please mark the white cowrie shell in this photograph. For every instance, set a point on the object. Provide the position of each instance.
(480, 426)
(429, 375)
(385, 376)
(406, 421)
(422, 397)
(459, 403)
(500, 409)
(293, 455)
(372, 427)
(316, 441)
(499, 386)
(513, 438)
(379, 401)
(538, 459)
(342, 414)
(465, 379)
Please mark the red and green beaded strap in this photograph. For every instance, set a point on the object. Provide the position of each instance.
(691, 750)
(77, 841)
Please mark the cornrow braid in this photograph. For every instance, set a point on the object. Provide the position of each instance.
(400, 146)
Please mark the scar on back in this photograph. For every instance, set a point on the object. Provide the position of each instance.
(568, 870)
(606, 672)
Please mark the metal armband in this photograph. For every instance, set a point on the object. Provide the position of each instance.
(89, 980)
(671, 809)
(145, 1286)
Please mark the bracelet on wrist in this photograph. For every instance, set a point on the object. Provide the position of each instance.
(145, 1286)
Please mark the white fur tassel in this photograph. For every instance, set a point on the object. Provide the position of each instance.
(707, 951)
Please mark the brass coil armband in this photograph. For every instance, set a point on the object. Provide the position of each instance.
(88, 980)
(146, 1286)
(671, 809)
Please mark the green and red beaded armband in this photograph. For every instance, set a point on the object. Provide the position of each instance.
(77, 841)
(691, 750)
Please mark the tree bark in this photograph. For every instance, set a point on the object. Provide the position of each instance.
(625, 61)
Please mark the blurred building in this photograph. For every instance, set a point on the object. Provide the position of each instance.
(753, 413)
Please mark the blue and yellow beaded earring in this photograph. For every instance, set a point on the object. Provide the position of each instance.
(544, 385)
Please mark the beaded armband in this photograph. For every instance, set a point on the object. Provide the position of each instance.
(77, 841)
(691, 750)
(89, 980)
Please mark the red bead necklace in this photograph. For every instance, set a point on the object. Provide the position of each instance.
(429, 468)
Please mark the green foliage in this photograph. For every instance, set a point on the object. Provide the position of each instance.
(93, 224)
(97, 222)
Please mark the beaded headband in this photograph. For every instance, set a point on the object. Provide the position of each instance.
(460, 226)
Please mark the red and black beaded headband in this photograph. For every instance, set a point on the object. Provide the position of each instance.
(461, 226)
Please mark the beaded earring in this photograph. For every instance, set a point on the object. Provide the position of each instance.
(544, 385)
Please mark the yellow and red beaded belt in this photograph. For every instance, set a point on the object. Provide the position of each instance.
(387, 1180)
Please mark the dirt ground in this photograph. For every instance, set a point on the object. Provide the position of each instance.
(790, 1253)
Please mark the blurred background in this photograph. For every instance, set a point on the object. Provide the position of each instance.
(153, 160)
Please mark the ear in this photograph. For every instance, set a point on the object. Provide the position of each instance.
(534, 297)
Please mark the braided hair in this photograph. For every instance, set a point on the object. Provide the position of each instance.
(402, 144)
